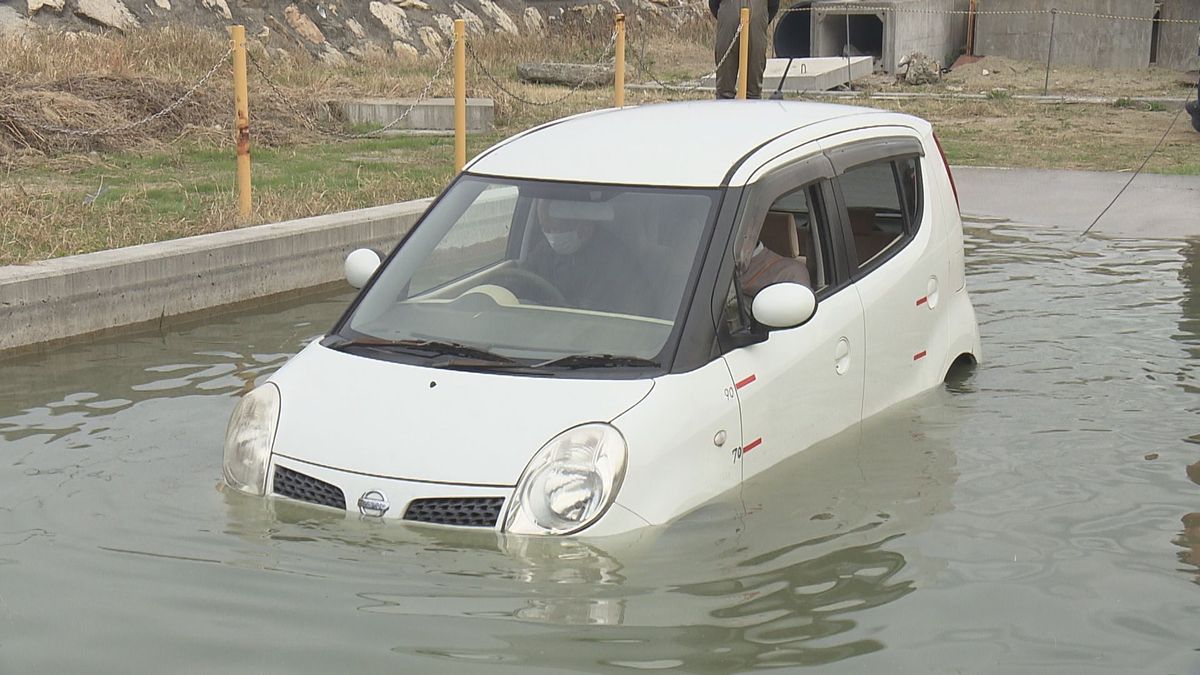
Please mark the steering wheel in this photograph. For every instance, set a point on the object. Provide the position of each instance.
(528, 285)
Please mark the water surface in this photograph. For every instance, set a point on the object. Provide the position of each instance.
(1040, 513)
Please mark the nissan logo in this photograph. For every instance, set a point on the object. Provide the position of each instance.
(373, 504)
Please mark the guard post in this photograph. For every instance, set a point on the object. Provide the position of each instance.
(460, 94)
(619, 68)
(241, 118)
(743, 53)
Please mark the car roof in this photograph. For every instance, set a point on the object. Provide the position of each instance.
(686, 144)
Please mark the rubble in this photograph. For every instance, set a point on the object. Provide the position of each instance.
(918, 68)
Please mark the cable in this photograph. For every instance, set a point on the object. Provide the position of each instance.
(1134, 176)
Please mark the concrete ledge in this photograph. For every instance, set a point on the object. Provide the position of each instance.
(55, 299)
(430, 114)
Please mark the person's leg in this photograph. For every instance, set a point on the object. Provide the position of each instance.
(728, 17)
(758, 48)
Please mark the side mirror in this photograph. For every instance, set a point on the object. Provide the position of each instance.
(784, 305)
(360, 265)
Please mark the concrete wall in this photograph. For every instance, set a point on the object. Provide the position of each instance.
(56, 299)
(1078, 41)
(1177, 46)
(924, 30)
(941, 36)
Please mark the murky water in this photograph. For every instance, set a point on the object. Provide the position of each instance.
(1039, 514)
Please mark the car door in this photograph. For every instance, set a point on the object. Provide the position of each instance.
(799, 385)
(896, 261)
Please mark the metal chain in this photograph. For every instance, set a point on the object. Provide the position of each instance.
(85, 133)
(603, 59)
(837, 9)
(315, 126)
(687, 90)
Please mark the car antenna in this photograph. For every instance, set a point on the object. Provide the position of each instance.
(777, 95)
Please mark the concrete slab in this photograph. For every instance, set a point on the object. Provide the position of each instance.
(429, 114)
(1154, 206)
(809, 74)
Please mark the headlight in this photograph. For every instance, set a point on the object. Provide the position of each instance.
(249, 438)
(569, 483)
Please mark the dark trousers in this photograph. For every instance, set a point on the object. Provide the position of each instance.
(728, 18)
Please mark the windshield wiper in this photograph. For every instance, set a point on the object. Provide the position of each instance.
(598, 361)
(432, 347)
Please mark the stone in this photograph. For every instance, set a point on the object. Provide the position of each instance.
(474, 23)
(111, 13)
(331, 56)
(12, 23)
(534, 21)
(405, 50)
(920, 69)
(493, 12)
(394, 19)
(356, 29)
(434, 43)
(567, 74)
(220, 7)
(411, 4)
(445, 24)
(303, 25)
(37, 5)
(164, 4)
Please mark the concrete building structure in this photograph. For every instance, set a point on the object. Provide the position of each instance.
(888, 30)
(1095, 41)
(1177, 47)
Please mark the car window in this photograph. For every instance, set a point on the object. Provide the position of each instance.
(881, 201)
(540, 270)
(480, 240)
(791, 246)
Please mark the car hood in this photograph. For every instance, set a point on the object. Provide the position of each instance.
(395, 420)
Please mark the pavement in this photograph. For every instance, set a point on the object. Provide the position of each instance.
(1155, 206)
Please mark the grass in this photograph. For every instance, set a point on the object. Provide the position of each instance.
(174, 179)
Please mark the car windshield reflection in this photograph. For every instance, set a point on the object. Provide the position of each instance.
(539, 272)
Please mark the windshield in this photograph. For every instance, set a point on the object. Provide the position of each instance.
(532, 274)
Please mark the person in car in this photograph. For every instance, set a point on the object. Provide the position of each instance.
(589, 264)
(767, 267)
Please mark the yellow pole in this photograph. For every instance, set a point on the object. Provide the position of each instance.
(743, 53)
(619, 76)
(241, 121)
(460, 94)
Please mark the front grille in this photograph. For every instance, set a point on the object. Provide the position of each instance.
(462, 511)
(296, 485)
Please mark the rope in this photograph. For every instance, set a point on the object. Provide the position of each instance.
(838, 9)
(1135, 174)
(487, 73)
(313, 125)
(91, 133)
(687, 90)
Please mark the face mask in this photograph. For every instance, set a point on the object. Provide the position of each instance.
(564, 243)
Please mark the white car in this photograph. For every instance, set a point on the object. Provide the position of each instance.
(611, 319)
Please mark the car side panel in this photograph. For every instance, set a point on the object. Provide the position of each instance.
(906, 332)
(803, 384)
(675, 460)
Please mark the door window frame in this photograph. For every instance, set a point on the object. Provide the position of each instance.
(811, 172)
(889, 150)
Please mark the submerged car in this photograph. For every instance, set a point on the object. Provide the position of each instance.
(611, 319)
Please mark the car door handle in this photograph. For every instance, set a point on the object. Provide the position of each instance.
(841, 356)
